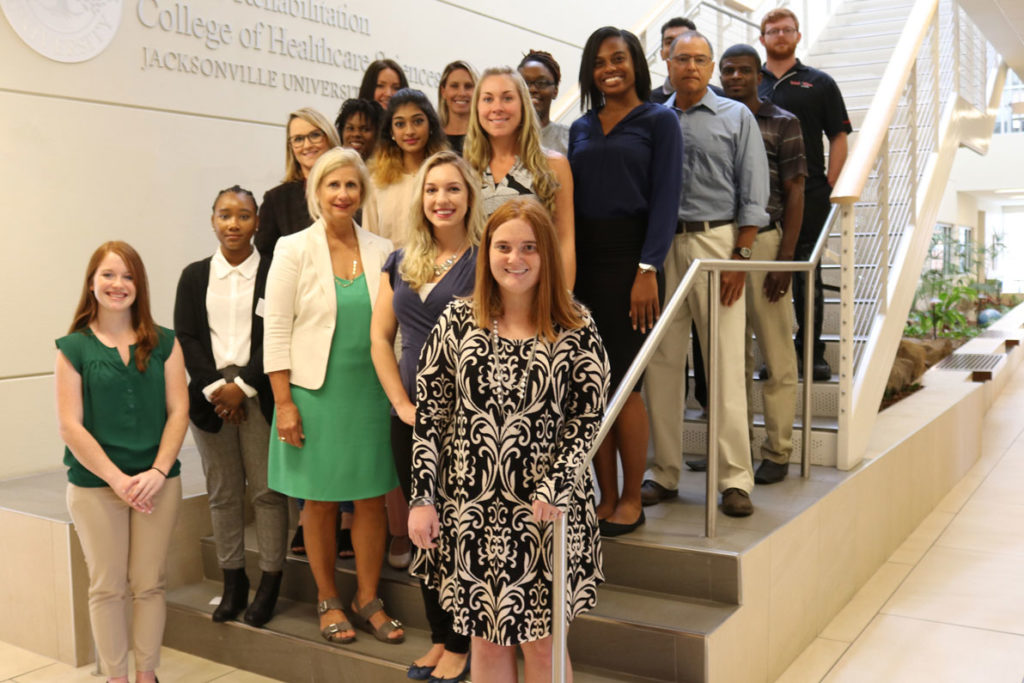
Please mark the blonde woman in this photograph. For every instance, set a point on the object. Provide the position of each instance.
(329, 437)
(503, 146)
(454, 101)
(437, 265)
(309, 134)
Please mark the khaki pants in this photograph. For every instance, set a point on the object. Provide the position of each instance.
(126, 552)
(664, 379)
(772, 323)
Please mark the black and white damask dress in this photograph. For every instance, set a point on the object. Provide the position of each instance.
(485, 452)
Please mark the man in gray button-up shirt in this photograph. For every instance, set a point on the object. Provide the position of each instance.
(725, 195)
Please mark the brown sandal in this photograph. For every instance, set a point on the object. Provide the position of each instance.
(362, 620)
(330, 631)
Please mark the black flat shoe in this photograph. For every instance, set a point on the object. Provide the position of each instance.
(419, 673)
(454, 679)
(298, 544)
(612, 529)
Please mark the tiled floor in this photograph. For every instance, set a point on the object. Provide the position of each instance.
(21, 666)
(948, 605)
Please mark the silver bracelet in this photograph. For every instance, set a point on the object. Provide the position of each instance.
(421, 501)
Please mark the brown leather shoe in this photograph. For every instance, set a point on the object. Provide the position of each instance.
(652, 493)
(736, 503)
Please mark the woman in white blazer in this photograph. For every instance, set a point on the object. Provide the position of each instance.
(331, 416)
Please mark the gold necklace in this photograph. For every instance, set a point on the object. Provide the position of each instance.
(355, 267)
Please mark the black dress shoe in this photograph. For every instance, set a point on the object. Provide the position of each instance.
(821, 372)
(612, 529)
(736, 503)
(769, 472)
(764, 372)
(262, 607)
(236, 595)
(699, 465)
(651, 493)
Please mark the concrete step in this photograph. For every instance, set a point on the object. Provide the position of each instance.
(290, 647)
(874, 9)
(856, 38)
(659, 622)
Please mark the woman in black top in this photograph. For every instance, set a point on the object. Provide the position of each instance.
(284, 211)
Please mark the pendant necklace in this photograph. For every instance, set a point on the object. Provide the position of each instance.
(497, 382)
(439, 270)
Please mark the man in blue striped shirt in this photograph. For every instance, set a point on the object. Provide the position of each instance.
(724, 200)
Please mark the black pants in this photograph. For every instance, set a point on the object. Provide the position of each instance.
(440, 621)
(816, 209)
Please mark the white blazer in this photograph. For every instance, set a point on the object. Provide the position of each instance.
(302, 308)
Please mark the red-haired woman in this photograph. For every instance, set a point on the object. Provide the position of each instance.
(509, 397)
(122, 405)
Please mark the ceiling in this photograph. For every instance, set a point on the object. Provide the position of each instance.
(1002, 22)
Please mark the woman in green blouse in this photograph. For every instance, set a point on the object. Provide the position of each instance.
(122, 404)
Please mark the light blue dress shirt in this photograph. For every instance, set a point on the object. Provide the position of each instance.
(725, 167)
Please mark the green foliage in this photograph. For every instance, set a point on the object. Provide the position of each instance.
(946, 294)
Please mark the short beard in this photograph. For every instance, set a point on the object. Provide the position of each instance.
(778, 55)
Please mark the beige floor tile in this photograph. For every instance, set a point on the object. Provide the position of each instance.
(61, 673)
(181, 666)
(986, 526)
(918, 542)
(15, 661)
(898, 650)
(239, 676)
(859, 612)
(814, 662)
(964, 587)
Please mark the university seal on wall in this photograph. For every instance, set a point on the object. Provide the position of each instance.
(64, 30)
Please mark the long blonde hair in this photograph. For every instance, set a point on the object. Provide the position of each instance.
(477, 148)
(292, 169)
(552, 303)
(417, 266)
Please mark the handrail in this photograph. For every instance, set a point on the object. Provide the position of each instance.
(559, 625)
(861, 161)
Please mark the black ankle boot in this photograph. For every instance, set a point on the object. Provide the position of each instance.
(262, 607)
(236, 595)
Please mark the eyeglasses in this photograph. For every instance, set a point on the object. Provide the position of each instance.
(787, 31)
(315, 138)
(540, 84)
(684, 60)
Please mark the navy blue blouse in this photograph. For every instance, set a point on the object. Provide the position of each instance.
(416, 317)
(635, 170)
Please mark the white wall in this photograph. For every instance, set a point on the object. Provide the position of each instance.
(114, 147)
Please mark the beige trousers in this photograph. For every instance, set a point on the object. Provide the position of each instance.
(664, 381)
(772, 323)
(126, 552)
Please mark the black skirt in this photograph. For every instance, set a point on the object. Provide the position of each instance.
(607, 256)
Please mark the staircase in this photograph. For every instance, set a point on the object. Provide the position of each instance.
(677, 606)
(652, 621)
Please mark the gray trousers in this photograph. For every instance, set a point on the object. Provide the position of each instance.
(231, 457)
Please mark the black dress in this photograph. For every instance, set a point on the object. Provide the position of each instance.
(486, 455)
(627, 187)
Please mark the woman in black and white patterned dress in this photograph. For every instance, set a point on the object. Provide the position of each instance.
(510, 392)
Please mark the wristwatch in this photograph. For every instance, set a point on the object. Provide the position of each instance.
(421, 501)
(743, 252)
(647, 268)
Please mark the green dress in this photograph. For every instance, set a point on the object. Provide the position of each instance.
(347, 451)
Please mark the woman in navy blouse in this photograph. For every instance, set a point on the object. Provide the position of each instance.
(626, 159)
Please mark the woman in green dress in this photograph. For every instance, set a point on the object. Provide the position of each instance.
(331, 417)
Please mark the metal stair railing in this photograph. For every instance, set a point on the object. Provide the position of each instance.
(930, 100)
(711, 268)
